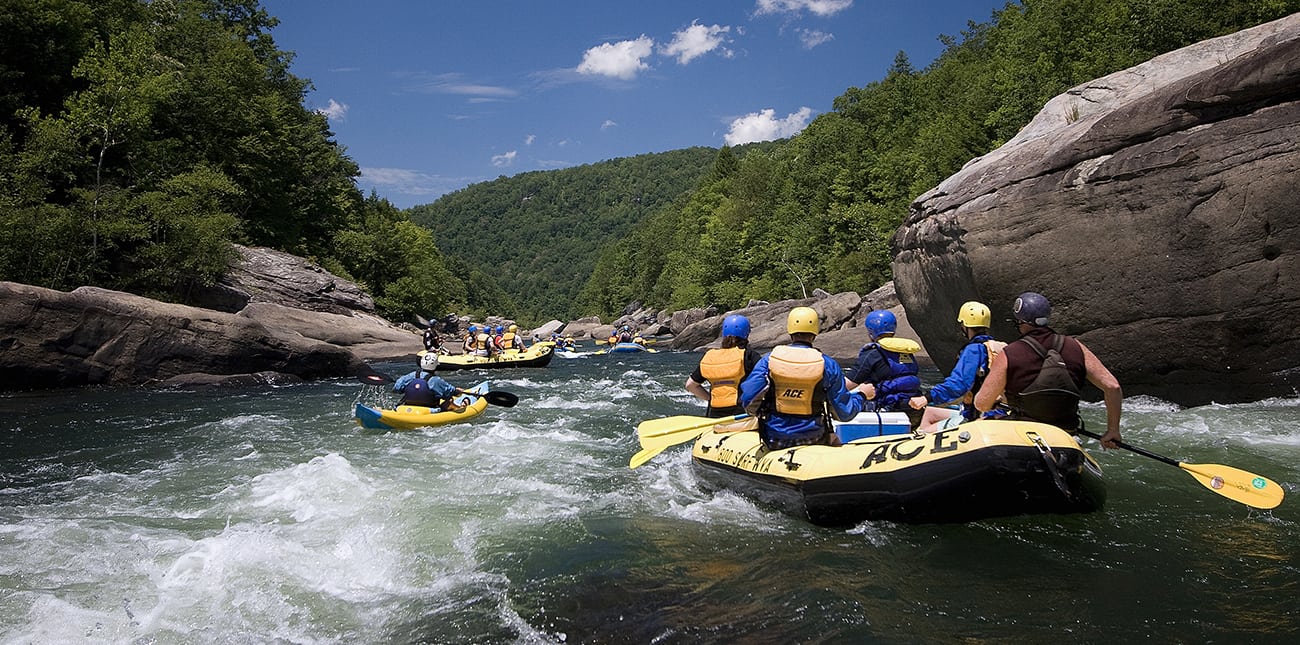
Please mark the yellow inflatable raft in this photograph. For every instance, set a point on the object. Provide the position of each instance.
(977, 470)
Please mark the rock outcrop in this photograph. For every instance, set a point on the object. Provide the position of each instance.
(93, 336)
(274, 319)
(1154, 207)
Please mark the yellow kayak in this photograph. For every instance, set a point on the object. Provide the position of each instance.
(410, 417)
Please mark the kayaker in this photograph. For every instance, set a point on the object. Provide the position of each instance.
(794, 389)
(967, 375)
(885, 369)
(1043, 372)
(423, 388)
(724, 368)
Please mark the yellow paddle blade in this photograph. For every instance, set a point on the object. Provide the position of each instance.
(643, 456)
(1236, 484)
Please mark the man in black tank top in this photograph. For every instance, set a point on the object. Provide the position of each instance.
(1016, 368)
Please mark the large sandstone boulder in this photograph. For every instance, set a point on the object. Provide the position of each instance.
(92, 336)
(261, 274)
(1154, 207)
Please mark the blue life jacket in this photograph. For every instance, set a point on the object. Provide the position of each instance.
(902, 383)
(417, 392)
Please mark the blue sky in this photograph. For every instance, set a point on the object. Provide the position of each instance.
(429, 97)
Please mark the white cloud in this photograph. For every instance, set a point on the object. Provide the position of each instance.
(695, 41)
(528, 140)
(335, 111)
(609, 123)
(618, 60)
(453, 83)
(817, 7)
(412, 182)
(813, 37)
(504, 159)
(764, 126)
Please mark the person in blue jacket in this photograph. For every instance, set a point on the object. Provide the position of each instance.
(967, 375)
(422, 388)
(886, 371)
(794, 389)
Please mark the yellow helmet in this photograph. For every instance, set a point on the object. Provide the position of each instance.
(513, 328)
(974, 314)
(802, 320)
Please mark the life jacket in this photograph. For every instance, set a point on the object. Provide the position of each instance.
(904, 381)
(417, 392)
(724, 368)
(1045, 374)
(991, 350)
(508, 340)
(796, 374)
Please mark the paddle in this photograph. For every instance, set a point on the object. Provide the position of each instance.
(493, 397)
(1235, 484)
(657, 435)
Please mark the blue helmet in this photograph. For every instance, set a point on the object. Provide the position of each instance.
(881, 321)
(473, 329)
(1032, 308)
(735, 325)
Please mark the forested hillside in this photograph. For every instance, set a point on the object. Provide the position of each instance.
(139, 139)
(819, 210)
(537, 234)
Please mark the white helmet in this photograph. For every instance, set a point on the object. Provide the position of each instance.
(429, 362)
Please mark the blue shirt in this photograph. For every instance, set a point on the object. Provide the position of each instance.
(785, 427)
(439, 386)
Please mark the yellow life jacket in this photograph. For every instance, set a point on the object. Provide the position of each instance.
(796, 374)
(724, 368)
(482, 341)
(992, 347)
(508, 340)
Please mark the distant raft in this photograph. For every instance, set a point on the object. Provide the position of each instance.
(539, 355)
(410, 417)
(627, 348)
(977, 470)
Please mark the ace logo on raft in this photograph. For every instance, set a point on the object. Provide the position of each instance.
(938, 443)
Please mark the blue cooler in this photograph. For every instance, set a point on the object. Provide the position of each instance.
(873, 424)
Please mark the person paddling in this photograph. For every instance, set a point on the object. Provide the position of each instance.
(967, 376)
(423, 388)
(1066, 361)
(795, 389)
(724, 368)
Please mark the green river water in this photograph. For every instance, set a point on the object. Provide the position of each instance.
(265, 515)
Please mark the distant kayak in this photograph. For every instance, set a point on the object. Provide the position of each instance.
(410, 417)
(538, 355)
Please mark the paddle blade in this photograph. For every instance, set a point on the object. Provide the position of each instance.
(643, 456)
(375, 378)
(503, 399)
(1237, 485)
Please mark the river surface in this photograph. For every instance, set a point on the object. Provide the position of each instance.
(265, 515)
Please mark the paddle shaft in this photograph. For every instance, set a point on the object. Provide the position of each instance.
(1144, 453)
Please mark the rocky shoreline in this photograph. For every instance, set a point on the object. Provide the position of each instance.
(278, 319)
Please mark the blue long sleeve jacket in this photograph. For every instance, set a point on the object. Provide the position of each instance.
(972, 358)
(843, 403)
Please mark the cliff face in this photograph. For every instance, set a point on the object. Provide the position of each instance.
(1154, 207)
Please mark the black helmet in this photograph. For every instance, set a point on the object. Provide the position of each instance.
(1032, 308)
